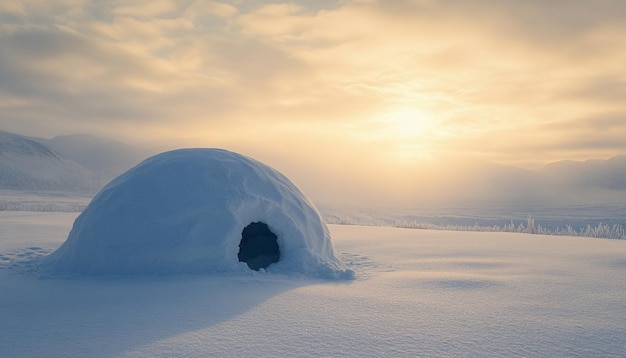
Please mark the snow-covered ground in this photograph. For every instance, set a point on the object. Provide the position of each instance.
(416, 293)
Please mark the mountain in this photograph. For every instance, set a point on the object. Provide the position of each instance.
(487, 184)
(614, 173)
(107, 158)
(607, 174)
(26, 164)
(596, 181)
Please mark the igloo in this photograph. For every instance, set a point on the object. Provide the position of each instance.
(199, 211)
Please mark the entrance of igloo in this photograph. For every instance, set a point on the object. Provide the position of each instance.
(258, 247)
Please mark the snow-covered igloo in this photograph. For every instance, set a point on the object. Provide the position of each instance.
(199, 211)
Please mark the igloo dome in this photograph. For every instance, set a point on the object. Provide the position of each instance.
(199, 211)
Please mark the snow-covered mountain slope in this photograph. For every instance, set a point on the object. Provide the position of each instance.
(28, 165)
(105, 157)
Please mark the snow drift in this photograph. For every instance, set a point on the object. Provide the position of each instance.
(185, 211)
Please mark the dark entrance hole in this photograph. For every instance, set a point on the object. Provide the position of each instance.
(258, 247)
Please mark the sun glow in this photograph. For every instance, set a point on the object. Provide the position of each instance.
(408, 123)
(410, 133)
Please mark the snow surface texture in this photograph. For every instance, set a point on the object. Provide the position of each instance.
(417, 293)
(184, 212)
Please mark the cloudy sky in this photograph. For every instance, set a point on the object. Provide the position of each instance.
(362, 91)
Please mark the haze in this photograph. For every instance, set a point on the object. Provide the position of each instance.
(360, 102)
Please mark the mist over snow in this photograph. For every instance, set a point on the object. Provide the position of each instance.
(85, 162)
(63, 173)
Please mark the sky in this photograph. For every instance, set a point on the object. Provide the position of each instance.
(353, 94)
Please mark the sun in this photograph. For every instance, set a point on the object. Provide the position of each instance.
(407, 123)
(410, 133)
(403, 135)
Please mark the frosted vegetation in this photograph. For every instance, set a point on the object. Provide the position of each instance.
(600, 230)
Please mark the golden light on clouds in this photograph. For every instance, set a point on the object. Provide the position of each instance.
(406, 135)
(349, 87)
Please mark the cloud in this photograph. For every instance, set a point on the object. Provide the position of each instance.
(519, 82)
(65, 69)
(201, 9)
(145, 8)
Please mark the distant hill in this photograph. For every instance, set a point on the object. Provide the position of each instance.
(487, 184)
(607, 174)
(78, 163)
(107, 158)
(26, 164)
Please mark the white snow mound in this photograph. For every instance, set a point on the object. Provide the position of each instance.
(184, 211)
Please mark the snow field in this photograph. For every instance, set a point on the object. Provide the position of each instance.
(416, 293)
